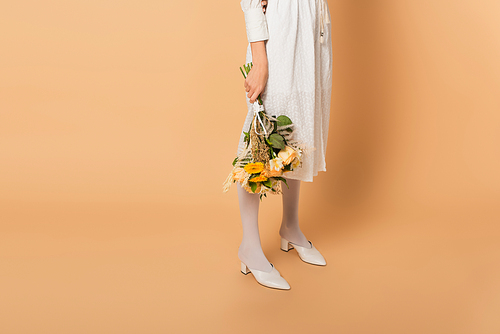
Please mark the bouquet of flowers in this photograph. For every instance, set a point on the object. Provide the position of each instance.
(270, 151)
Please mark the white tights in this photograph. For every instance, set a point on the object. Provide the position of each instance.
(250, 250)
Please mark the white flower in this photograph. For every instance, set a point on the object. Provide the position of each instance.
(288, 154)
(276, 164)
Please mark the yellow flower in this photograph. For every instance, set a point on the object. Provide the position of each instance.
(288, 154)
(254, 168)
(259, 178)
(295, 162)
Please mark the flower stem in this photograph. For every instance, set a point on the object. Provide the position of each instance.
(243, 72)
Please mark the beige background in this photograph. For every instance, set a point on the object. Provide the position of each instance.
(118, 124)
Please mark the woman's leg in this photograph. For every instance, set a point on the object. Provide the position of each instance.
(250, 251)
(290, 229)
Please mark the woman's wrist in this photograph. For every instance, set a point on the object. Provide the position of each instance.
(259, 56)
(260, 63)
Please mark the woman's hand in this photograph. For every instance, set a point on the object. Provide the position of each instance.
(257, 77)
(264, 5)
(256, 81)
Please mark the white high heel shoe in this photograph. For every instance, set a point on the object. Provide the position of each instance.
(309, 255)
(271, 279)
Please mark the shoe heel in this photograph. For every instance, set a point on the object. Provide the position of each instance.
(285, 245)
(244, 269)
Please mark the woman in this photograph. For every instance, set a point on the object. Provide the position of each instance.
(291, 51)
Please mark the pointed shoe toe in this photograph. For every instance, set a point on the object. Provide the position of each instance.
(272, 279)
(309, 255)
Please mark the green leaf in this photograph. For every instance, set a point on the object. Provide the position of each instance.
(268, 183)
(282, 179)
(253, 186)
(284, 120)
(235, 160)
(277, 141)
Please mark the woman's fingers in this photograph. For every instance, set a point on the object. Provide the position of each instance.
(263, 3)
(250, 92)
(254, 96)
(252, 100)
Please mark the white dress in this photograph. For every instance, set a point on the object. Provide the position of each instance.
(300, 71)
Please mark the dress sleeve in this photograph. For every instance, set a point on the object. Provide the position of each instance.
(255, 20)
